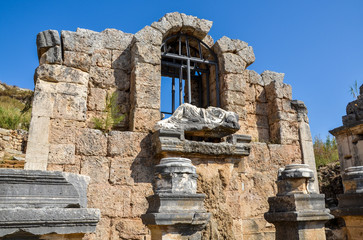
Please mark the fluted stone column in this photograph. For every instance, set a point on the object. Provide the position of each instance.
(297, 211)
(176, 211)
(350, 206)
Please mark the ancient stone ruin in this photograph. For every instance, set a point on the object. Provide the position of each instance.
(204, 173)
(350, 149)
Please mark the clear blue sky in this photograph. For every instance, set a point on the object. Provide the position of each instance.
(317, 44)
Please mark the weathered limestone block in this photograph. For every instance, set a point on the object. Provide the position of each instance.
(71, 107)
(143, 119)
(255, 78)
(48, 46)
(61, 154)
(284, 154)
(83, 40)
(91, 142)
(117, 146)
(145, 53)
(96, 99)
(278, 90)
(148, 35)
(44, 98)
(52, 56)
(247, 55)
(43, 202)
(144, 96)
(146, 74)
(269, 76)
(284, 132)
(47, 39)
(306, 141)
(113, 201)
(37, 146)
(95, 167)
(121, 59)
(232, 98)
(59, 73)
(120, 171)
(63, 131)
(210, 122)
(109, 78)
(116, 40)
(195, 26)
(101, 58)
(233, 82)
(231, 63)
(77, 60)
(170, 23)
(225, 44)
(130, 229)
(297, 211)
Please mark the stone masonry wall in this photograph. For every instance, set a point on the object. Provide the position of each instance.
(12, 148)
(78, 70)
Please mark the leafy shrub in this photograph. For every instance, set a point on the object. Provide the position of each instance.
(12, 115)
(325, 151)
(111, 116)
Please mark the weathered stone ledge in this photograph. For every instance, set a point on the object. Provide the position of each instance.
(42, 221)
(171, 142)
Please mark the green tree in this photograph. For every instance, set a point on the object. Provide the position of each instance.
(325, 151)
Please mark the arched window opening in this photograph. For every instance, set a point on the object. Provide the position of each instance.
(191, 69)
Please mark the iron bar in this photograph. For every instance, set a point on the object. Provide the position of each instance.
(173, 94)
(177, 65)
(200, 90)
(190, 61)
(200, 51)
(180, 85)
(193, 59)
(180, 46)
(217, 87)
(189, 83)
(208, 90)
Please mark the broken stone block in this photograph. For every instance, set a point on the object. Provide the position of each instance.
(247, 55)
(269, 76)
(52, 56)
(43, 202)
(350, 206)
(210, 122)
(49, 40)
(297, 211)
(175, 204)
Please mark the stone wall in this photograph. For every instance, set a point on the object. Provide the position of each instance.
(78, 70)
(12, 148)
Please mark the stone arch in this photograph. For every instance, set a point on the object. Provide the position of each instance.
(146, 64)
